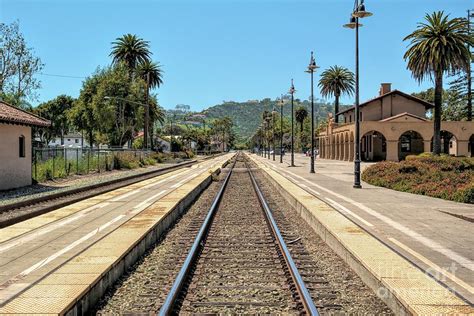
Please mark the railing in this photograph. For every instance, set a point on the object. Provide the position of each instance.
(52, 163)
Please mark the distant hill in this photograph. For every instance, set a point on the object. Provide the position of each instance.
(247, 115)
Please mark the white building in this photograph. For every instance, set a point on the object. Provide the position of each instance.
(71, 140)
(15, 145)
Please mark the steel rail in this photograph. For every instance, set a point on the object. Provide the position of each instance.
(295, 275)
(198, 244)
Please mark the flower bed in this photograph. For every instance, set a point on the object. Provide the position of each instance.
(445, 177)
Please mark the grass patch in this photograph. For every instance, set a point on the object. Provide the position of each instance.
(445, 177)
(84, 163)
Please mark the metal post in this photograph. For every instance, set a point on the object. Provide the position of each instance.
(147, 113)
(468, 73)
(36, 163)
(273, 133)
(54, 155)
(292, 127)
(312, 124)
(281, 130)
(65, 161)
(98, 159)
(88, 159)
(357, 122)
(77, 160)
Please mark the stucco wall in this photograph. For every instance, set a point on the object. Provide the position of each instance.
(392, 130)
(388, 106)
(15, 171)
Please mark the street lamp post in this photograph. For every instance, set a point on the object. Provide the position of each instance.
(273, 132)
(292, 92)
(147, 113)
(470, 15)
(358, 12)
(281, 129)
(268, 139)
(311, 69)
(264, 138)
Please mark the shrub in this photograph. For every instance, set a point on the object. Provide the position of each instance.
(437, 176)
(126, 160)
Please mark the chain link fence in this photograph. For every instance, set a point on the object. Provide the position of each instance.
(52, 163)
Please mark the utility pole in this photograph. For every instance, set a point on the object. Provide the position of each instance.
(468, 72)
(147, 113)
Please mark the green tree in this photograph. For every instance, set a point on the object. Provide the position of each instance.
(300, 115)
(131, 51)
(336, 81)
(18, 65)
(222, 129)
(153, 70)
(109, 105)
(438, 46)
(453, 106)
(151, 73)
(57, 111)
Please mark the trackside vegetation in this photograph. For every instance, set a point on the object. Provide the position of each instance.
(445, 177)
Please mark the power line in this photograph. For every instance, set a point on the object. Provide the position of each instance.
(62, 76)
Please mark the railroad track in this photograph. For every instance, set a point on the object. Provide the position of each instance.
(238, 261)
(20, 211)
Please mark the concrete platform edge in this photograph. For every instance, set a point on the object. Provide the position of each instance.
(394, 300)
(89, 299)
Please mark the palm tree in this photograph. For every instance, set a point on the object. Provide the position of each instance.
(300, 115)
(153, 70)
(130, 50)
(438, 46)
(336, 81)
(151, 73)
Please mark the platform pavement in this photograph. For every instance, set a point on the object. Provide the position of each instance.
(50, 261)
(425, 230)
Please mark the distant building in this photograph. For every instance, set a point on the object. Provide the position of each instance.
(15, 145)
(393, 126)
(71, 140)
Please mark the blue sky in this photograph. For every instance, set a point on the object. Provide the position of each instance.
(214, 50)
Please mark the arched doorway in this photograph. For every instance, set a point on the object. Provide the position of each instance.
(449, 143)
(470, 146)
(373, 146)
(409, 143)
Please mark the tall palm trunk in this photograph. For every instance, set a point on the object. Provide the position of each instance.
(336, 109)
(437, 112)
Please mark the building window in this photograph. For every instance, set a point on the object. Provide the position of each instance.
(405, 142)
(68, 139)
(350, 118)
(21, 143)
(360, 116)
(345, 119)
(76, 141)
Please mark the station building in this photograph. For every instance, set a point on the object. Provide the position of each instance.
(15, 145)
(393, 126)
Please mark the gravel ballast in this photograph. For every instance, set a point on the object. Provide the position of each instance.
(335, 288)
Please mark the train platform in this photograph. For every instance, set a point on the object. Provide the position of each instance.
(415, 251)
(62, 262)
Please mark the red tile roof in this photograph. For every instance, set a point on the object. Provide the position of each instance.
(12, 115)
